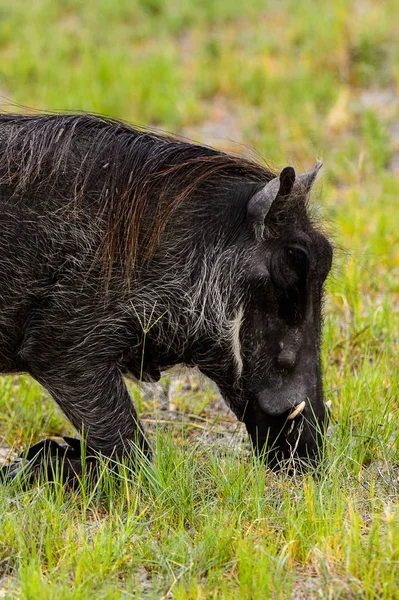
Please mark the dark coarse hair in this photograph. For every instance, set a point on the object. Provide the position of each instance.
(136, 177)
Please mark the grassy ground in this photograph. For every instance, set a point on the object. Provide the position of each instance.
(295, 81)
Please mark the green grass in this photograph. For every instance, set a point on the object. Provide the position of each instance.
(294, 81)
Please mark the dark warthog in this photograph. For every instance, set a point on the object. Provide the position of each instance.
(126, 252)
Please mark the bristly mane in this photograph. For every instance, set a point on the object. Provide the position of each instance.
(136, 177)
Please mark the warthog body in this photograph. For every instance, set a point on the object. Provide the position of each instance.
(126, 252)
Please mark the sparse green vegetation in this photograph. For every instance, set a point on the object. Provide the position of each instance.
(295, 81)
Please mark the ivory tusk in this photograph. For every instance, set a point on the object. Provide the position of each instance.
(328, 404)
(297, 410)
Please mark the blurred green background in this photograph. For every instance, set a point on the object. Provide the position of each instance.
(286, 82)
(292, 79)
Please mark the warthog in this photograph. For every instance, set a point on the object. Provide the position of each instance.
(125, 252)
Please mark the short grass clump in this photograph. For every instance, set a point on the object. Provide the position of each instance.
(293, 81)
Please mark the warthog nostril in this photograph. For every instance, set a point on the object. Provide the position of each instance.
(297, 410)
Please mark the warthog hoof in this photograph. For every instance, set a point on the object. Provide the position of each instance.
(51, 460)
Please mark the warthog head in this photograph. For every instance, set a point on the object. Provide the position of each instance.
(276, 330)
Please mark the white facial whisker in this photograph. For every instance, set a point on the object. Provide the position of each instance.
(235, 339)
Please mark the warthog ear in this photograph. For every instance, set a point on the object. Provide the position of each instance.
(307, 179)
(261, 202)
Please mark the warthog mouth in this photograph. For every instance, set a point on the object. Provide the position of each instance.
(292, 439)
(296, 447)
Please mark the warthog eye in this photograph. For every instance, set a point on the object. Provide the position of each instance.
(299, 260)
(289, 268)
